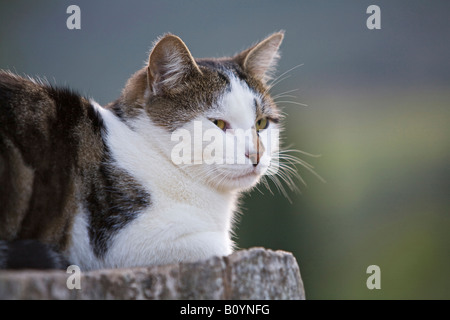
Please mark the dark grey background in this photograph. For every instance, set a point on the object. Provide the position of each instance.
(378, 113)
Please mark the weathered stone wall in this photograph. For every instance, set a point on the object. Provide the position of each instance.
(248, 274)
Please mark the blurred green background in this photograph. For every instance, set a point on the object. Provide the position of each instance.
(377, 112)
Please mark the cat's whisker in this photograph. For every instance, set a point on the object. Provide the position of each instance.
(295, 160)
(285, 93)
(303, 163)
(282, 171)
(277, 80)
(285, 151)
(283, 97)
(287, 71)
(266, 184)
(279, 186)
(293, 102)
(272, 85)
(285, 172)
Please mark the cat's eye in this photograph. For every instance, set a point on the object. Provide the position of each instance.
(261, 124)
(220, 124)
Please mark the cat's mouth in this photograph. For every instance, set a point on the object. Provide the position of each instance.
(244, 179)
(246, 175)
(232, 176)
(250, 174)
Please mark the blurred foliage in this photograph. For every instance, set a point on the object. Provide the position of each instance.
(385, 201)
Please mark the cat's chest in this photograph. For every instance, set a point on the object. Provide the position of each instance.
(171, 229)
(182, 218)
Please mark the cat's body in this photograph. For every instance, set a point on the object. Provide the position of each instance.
(99, 186)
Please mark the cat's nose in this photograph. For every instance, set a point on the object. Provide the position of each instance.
(254, 158)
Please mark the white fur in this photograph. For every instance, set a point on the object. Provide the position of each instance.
(237, 108)
(80, 252)
(189, 218)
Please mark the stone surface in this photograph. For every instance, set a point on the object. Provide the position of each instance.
(256, 273)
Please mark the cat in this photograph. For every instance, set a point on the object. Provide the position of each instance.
(97, 186)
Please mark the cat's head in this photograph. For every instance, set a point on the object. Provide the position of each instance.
(214, 117)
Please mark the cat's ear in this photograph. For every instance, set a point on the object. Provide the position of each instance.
(261, 59)
(170, 62)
